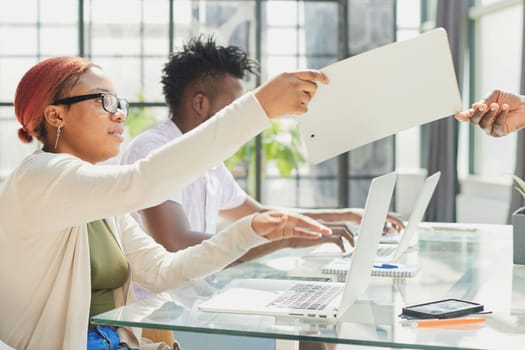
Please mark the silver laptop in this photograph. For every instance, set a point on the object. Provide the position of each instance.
(379, 93)
(392, 252)
(313, 299)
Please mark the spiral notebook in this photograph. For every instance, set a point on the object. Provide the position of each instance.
(340, 266)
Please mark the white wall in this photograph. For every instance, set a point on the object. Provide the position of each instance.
(481, 200)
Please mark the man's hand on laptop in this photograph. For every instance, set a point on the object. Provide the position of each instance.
(340, 234)
(393, 224)
(276, 225)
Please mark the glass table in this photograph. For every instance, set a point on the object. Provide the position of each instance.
(472, 262)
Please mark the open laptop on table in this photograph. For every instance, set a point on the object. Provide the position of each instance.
(313, 299)
(392, 252)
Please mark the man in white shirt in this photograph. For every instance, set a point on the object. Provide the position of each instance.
(198, 81)
(202, 200)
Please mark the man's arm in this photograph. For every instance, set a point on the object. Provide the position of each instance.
(337, 217)
(251, 206)
(330, 217)
(168, 225)
(248, 207)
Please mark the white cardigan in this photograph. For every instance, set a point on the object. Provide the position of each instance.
(45, 285)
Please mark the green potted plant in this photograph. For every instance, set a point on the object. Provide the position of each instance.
(139, 118)
(518, 226)
(286, 154)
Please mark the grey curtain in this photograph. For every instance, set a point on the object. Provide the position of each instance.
(516, 199)
(443, 133)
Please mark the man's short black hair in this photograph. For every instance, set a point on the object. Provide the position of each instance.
(201, 58)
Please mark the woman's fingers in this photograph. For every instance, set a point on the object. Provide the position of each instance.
(312, 75)
(343, 233)
(395, 222)
(341, 230)
(306, 222)
(289, 93)
(276, 225)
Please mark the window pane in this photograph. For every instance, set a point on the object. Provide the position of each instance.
(182, 12)
(408, 12)
(110, 34)
(494, 157)
(282, 41)
(320, 192)
(319, 62)
(274, 65)
(371, 24)
(152, 91)
(113, 39)
(156, 11)
(373, 159)
(59, 40)
(230, 22)
(320, 32)
(12, 150)
(156, 41)
(406, 34)
(320, 185)
(11, 71)
(279, 191)
(114, 11)
(125, 74)
(281, 13)
(357, 192)
(19, 12)
(58, 11)
(497, 69)
(18, 40)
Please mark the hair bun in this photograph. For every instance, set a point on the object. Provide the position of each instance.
(24, 136)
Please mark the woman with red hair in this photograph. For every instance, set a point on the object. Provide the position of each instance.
(68, 249)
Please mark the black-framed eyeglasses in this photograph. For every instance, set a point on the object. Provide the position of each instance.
(110, 103)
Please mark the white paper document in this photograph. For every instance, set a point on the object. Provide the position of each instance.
(379, 93)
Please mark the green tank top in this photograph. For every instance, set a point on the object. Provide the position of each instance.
(109, 268)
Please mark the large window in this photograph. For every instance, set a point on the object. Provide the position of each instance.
(496, 24)
(131, 40)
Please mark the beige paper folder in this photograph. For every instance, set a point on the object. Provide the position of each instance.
(379, 93)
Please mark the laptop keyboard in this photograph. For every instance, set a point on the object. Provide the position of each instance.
(385, 251)
(306, 296)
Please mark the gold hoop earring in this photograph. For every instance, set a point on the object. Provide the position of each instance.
(59, 131)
